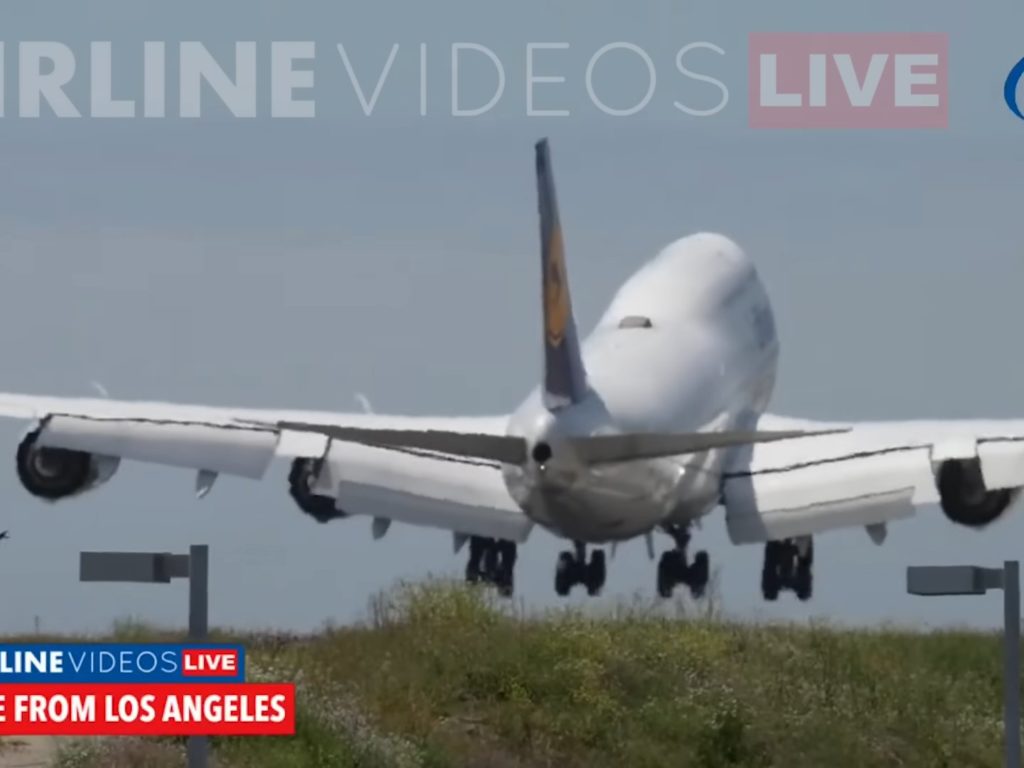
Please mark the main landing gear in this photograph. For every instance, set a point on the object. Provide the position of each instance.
(573, 569)
(673, 569)
(788, 564)
(492, 561)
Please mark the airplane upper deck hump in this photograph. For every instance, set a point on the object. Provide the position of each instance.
(690, 276)
(564, 375)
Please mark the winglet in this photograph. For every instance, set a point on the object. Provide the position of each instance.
(565, 380)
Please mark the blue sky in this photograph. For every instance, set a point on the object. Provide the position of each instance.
(295, 263)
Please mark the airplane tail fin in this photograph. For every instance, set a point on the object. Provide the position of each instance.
(565, 383)
(565, 379)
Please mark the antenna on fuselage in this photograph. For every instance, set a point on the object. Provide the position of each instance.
(565, 379)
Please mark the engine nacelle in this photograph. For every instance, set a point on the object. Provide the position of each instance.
(56, 473)
(301, 481)
(964, 498)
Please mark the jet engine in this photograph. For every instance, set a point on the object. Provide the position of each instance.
(964, 498)
(301, 481)
(56, 473)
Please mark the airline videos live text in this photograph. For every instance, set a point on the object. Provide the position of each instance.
(140, 689)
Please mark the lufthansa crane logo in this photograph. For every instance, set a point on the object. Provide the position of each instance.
(556, 294)
(1010, 88)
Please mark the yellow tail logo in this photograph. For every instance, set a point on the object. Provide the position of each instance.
(556, 294)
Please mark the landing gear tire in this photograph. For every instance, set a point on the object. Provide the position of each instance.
(770, 582)
(699, 574)
(595, 573)
(564, 571)
(476, 553)
(788, 565)
(504, 578)
(492, 562)
(490, 566)
(673, 568)
(804, 585)
(572, 569)
(668, 566)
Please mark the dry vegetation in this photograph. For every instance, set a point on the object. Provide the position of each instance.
(441, 675)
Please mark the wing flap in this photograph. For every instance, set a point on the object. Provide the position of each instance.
(868, 474)
(862, 511)
(415, 509)
(817, 497)
(1002, 463)
(428, 490)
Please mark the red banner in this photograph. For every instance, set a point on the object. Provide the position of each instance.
(160, 709)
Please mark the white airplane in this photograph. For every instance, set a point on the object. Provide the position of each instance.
(655, 421)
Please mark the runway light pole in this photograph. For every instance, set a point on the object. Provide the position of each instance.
(937, 580)
(160, 568)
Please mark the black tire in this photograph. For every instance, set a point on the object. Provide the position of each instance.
(564, 573)
(596, 573)
(700, 571)
(804, 580)
(507, 552)
(506, 584)
(476, 553)
(786, 559)
(666, 575)
(769, 573)
(490, 562)
(506, 568)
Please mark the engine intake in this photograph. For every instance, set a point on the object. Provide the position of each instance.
(56, 473)
(965, 500)
(301, 481)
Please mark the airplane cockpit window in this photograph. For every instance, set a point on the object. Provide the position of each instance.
(635, 321)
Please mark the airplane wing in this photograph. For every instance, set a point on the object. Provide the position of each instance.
(145, 431)
(868, 474)
(89, 437)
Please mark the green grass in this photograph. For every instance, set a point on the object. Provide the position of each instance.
(443, 675)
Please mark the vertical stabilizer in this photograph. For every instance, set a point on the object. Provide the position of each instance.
(565, 380)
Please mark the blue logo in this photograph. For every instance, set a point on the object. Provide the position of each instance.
(1010, 88)
(115, 663)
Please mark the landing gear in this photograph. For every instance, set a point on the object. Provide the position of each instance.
(573, 569)
(788, 564)
(673, 569)
(492, 561)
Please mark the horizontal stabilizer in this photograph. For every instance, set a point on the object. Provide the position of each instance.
(500, 448)
(507, 449)
(606, 449)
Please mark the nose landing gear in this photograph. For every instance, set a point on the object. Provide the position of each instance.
(674, 570)
(573, 569)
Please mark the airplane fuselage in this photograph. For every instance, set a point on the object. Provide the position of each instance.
(687, 344)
